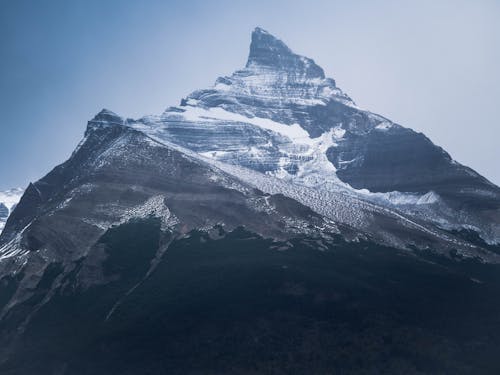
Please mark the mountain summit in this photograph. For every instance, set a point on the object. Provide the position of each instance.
(266, 217)
(268, 51)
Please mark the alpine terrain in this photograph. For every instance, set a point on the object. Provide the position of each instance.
(265, 225)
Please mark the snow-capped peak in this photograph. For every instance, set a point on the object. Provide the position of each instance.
(107, 116)
(8, 201)
(268, 51)
(277, 84)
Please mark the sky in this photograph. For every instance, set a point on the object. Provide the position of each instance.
(432, 66)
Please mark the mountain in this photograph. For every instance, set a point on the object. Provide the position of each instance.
(264, 225)
(8, 201)
(281, 116)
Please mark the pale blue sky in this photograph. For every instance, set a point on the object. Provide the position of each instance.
(428, 65)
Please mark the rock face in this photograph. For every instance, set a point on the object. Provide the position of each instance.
(271, 184)
(398, 159)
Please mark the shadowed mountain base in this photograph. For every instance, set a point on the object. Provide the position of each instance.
(245, 305)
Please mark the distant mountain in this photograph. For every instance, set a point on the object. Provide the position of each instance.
(8, 201)
(265, 225)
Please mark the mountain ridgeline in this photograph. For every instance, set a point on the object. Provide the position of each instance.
(265, 225)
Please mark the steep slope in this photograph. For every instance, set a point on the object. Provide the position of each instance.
(118, 173)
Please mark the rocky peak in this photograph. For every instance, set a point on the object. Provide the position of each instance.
(105, 118)
(268, 51)
(108, 117)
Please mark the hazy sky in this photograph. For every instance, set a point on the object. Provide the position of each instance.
(429, 65)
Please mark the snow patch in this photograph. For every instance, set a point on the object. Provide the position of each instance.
(294, 132)
(153, 207)
(397, 198)
(384, 125)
